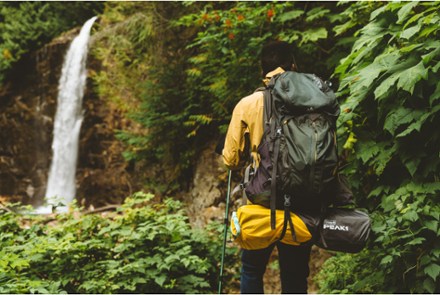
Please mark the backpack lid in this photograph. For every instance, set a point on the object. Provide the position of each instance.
(303, 93)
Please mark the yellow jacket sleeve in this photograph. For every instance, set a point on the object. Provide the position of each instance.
(247, 117)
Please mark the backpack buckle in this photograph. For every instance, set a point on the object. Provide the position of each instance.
(287, 202)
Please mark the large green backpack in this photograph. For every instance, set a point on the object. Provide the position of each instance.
(298, 149)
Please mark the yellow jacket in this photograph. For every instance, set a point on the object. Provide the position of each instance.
(247, 117)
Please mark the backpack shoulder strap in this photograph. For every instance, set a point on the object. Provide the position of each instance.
(274, 136)
(267, 110)
(271, 133)
(273, 182)
(267, 107)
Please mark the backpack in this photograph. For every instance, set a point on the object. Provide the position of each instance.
(298, 151)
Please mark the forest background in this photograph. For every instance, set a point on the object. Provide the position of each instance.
(177, 69)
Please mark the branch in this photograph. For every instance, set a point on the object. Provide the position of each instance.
(102, 209)
(3, 206)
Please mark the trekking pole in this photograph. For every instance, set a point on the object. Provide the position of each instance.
(225, 232)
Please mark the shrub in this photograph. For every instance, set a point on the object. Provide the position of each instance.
(388, 129)
(144, 247)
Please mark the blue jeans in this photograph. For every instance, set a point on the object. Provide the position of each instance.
(294, 268)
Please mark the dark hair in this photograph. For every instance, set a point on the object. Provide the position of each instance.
(276, 54)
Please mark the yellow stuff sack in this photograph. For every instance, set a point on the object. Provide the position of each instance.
(250, 227)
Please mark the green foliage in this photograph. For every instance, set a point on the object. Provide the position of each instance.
(145, 247)
(342, 272)
(124, 49)
(124, 46)
(26, 26)
(143, 74)
(205, 62)
(390, 86)
(225, 65)
(200, 59)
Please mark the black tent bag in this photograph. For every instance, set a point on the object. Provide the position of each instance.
(344, 230)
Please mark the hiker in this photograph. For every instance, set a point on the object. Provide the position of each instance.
(247, 122)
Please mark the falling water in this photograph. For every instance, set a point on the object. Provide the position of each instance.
(61, 186)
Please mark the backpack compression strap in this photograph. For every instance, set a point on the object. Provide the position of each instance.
(287, 220)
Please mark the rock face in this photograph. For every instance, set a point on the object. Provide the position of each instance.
(27, 108)
(103, 176)
(207, 189)
(207, 195)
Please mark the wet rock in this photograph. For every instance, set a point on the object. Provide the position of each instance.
(27, 101)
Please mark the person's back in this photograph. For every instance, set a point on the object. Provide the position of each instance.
(247, 118)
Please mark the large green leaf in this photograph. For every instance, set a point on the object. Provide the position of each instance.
(421, 118)
(385, 88)
(366, 77)
(399, 117)
(412, 164)
(340, 29)
(409, 78)
(367, 150)
(405, 11)
(313, 35)
(377, 13)
(365, 47)
(435, 96)
(408, 33)
(433, 270)
(316, 13)
(383, 158)
(290, 15)
(434, 53)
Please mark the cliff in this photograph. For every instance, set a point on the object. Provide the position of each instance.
(27, 108)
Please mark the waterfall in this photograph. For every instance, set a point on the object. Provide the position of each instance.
(61, 187)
